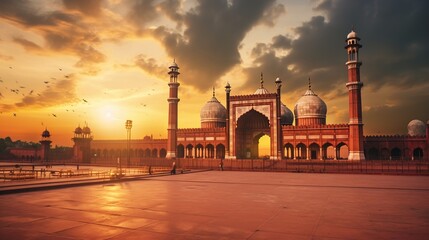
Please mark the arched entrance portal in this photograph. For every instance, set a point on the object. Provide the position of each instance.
(251, 126)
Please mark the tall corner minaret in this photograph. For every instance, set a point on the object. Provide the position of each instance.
(173, 101)
(227, 130)
(354, 85)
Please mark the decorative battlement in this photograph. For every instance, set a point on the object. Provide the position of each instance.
(254, 96)
(201, 130)
(397, 136)
(132, 141)
(327, 126)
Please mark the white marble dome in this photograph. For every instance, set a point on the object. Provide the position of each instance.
(286, 115)
(310, 105)
(352, 34)
(416, 128)
(213, 111)
(261, 90)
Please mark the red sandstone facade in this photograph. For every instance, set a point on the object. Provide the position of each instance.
(234, 132)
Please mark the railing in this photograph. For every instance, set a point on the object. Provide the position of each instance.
(141, 166)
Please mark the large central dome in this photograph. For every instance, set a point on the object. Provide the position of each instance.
(310, 110)
(213, 114)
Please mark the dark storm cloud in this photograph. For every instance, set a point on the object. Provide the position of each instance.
(394, 52)
(394, 44)
(214, 30)
(142, 12)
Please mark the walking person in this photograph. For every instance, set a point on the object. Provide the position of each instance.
(221, 165)
(173, 169)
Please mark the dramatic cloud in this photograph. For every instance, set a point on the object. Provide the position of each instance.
(61, 92)
(62, 31)
(391, 48)
(150, 65)
(394, 51)
(28, 45)
(142, 12)
(90, 8)
(214, 30)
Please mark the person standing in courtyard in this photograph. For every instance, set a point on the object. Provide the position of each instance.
(173, 169)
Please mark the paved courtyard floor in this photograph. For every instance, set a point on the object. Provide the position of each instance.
(225, 205)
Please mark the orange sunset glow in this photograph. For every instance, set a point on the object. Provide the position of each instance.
(69, 63)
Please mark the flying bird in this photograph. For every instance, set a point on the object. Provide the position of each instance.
(84, 100)
(31, 92)
(60, 69)
(54, 115)
(10, 67)
(46, 82)
(67, 76)
(14, 114)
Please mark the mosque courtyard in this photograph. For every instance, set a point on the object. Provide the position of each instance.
(225, 205)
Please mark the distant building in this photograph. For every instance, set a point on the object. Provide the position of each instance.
(43, 152)
(233, 132)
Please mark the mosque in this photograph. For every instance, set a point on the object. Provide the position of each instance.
(234, 131)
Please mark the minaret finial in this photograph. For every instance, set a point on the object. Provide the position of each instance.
(262, 80)
(174, 60)
(214, 94)
(309, 83)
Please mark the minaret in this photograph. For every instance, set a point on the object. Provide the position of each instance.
(278, 113)
(354, 86)
(46, 145)
(227, 133)
(173, 101)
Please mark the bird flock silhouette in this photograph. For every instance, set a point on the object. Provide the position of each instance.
(18, 88)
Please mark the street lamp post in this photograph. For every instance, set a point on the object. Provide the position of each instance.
(128, 126)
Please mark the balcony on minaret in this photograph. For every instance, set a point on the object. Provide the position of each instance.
(352, 46)
(174, 72)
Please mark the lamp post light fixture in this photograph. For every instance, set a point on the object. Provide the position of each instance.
(128, 126)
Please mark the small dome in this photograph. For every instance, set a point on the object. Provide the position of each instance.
(174, 65)
(213, 111)
(78, 130)
(310, 106)
(86, 130)
(286, 115)
(46, 133)
(416, 128)
(352, 34)
(261, 90)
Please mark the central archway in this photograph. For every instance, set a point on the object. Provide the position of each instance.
(251, 126)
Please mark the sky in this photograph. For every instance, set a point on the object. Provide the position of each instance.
(76, 62)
